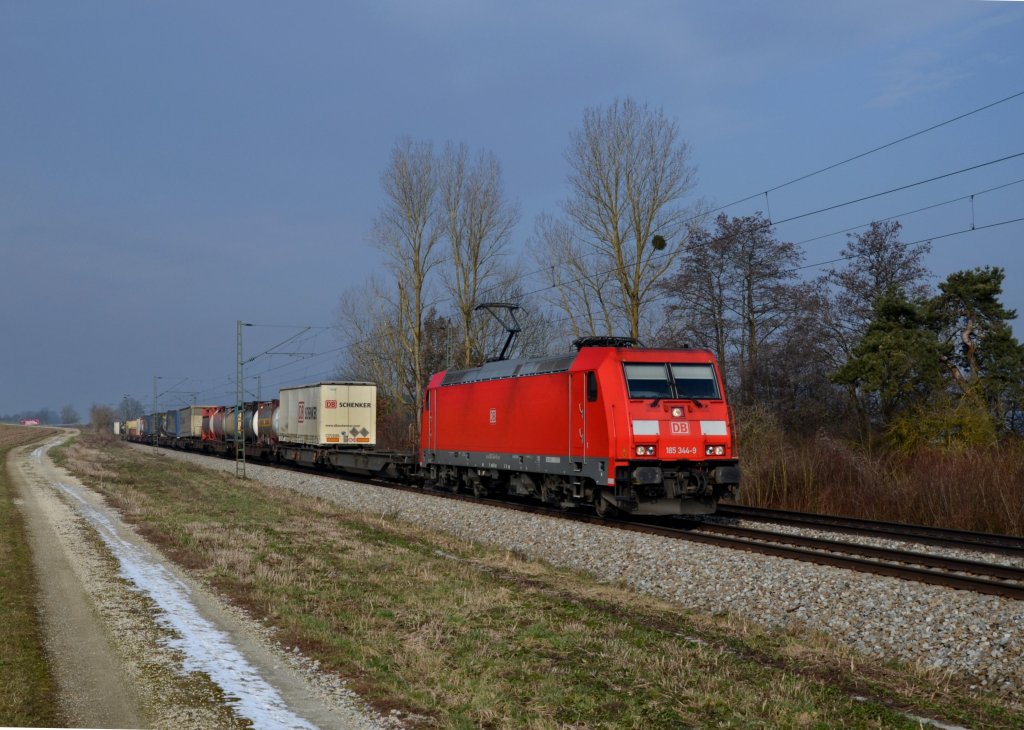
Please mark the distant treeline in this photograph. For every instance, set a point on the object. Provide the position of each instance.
(46, 416)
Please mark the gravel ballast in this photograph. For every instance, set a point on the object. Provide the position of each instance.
(952, 631)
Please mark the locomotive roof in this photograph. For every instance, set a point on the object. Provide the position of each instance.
(532, 366)
(509, 369)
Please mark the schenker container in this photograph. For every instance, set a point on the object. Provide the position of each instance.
(330, 413)
(190, 421)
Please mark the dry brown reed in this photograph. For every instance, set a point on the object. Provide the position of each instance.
(981, 489)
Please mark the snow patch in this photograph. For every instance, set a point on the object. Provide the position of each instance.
(205, 647)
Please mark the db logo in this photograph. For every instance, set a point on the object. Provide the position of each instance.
(681, 427)
(330, 404)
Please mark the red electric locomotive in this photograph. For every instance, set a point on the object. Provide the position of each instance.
(627, 429)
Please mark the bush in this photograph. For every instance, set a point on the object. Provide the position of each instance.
(960, 486)
(950, 425)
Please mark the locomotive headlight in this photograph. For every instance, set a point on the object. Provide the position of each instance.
(714, 450)
(677, 412)
(640, 451)
(650, 451)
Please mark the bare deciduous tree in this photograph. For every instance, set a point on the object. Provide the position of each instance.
(130, 408)
(577, 288)
(764, 301)
(629, 174)
(101, 419)
(877, 264)
(477, 222)
(375, 350)
(734, 293)
(68, 415)
(407, 231)
(699, 313)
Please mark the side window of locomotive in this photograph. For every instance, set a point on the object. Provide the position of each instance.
(695, 381)
(646, 380)
(591, 387)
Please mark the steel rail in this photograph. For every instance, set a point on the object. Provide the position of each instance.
(778, 545)
(939, 562)
(766, 543)
(938, 536)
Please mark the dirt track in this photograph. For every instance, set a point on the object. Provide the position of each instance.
(121, 658)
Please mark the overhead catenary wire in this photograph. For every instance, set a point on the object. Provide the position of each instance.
(766, 224)
(904, 244)
(970, 229)
(866, 153)
(900, 188)
(840, 163)
(228, 385)
(971, 196)
(306, 357)
(771, 224)
(229, 382)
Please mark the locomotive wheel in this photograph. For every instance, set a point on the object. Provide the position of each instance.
(472, 485)
(605, 509)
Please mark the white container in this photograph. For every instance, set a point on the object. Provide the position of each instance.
(190, 421)
(332, 413)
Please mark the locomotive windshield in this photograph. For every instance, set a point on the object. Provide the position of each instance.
(695, 381)
(671, 381)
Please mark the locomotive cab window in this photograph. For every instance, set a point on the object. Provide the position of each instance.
(671, 381)
(591, 387)
(695, 381)
(647, 380)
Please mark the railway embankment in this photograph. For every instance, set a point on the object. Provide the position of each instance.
(454, 613)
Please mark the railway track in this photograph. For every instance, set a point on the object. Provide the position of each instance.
(937, 536)
(976, 576)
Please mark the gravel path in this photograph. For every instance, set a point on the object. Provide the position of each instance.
(952, 631)
(135, 642)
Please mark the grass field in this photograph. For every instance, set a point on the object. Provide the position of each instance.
(471, 637)
(27, 689)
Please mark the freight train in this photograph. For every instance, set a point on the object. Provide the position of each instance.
(620, 428)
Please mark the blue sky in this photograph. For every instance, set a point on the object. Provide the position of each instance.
(167, 168)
